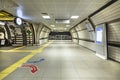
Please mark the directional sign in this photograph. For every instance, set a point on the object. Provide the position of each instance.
(33, 68)
(42, 59)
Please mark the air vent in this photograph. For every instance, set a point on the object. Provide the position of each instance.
(66, 21)
(44, 13)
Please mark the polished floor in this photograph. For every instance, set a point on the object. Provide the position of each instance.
(61, 60)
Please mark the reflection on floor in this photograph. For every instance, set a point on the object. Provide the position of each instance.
(62, 60)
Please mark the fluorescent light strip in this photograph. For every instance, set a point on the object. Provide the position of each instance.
(46, 17)
(52, 25)
(74, 17)
(67, 25)
(2, 23)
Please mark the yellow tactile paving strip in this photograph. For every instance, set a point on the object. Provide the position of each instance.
(18, 48)
(14, 66)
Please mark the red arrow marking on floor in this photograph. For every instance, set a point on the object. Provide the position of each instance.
(33, 68)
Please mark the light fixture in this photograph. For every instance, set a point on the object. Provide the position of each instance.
(65, 28)
(46, 17)
(74, 17)
(2, 23)
(67, 25)
(54, 28)
(52, 25)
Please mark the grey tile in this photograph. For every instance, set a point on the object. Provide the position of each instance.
(68, 61)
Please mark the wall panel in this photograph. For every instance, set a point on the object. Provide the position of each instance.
(110, 13)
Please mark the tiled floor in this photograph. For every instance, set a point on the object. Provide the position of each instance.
(68, 61)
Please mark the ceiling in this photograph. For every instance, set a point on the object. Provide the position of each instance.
(32, 10)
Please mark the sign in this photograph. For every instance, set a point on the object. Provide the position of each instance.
(101, 41)
(99, 31)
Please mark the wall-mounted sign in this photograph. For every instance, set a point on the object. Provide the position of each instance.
(101, 41)
(99, 34)
(18, 21)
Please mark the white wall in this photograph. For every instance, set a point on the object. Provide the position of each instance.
(42, 32)
(85, 35)
(110, 13)
(89, 45)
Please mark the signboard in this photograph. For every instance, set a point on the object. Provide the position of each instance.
(99, 32)
(101, 41)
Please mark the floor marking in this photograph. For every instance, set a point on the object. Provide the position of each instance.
(12, 50)
(18, 48)
(16, 51)
(33, 68)
(42, 59)
(14, 66)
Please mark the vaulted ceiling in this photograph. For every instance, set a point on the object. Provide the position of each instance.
(32, 10)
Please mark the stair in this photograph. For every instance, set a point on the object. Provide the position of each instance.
(19, 40)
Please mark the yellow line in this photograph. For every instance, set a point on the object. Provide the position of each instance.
(13, 50)
(18, 48)
(14, 66)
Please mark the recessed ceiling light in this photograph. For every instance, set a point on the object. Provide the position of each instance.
(65, 28)
(52, 25)
(67, 25)
(74, 17)
(54, 28)
(46, 17)
(2, 23)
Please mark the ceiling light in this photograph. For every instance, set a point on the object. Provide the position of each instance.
(46, 17)
(2, 23)
(67, 25)
(74, 17)
(65, 28)
(54, 28)
(52, 25)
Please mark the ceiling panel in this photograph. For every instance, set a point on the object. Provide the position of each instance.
(57, 9)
